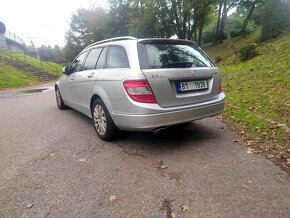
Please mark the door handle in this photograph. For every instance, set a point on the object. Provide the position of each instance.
(72, 78)
(91, 75)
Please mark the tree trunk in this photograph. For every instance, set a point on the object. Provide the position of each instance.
(184, 20)
(177, 25)
(218, 25)
(227, 29)
(246, 21)
(200, 29)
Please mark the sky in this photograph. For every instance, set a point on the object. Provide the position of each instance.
(42, 21)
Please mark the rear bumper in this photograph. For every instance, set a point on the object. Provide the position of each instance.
(165, 117)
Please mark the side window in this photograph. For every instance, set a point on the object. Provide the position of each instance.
(92, 59)
(117, 58)
(77, 63)
(102, 59)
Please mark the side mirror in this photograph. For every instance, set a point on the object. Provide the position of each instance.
(65, 70)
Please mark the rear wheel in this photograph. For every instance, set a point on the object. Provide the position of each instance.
(103, 123)
(59, 101)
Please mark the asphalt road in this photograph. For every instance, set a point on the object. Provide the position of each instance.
(53, 165)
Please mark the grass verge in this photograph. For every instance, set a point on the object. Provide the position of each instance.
(258, 95)
(16, 78)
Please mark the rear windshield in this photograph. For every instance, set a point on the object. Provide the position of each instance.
(171, 55)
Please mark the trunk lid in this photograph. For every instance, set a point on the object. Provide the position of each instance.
(165, 85)
(178, 71)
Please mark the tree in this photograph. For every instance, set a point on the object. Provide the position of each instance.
(275, 18)
(86, 26)
(46, 53)
(247, 8)
(224, 6)
(150, 18)
(183, 18)
(118, 18)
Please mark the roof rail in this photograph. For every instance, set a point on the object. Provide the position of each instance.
(111, 40)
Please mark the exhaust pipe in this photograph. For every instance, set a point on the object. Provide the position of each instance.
(159, 129)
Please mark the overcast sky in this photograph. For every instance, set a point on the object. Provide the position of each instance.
(42, 21)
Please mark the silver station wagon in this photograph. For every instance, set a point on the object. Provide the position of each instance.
(134, 84)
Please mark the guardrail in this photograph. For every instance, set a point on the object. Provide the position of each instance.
(15, 38)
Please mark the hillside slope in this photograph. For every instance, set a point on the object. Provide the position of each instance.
(17, 76)
(258, 95)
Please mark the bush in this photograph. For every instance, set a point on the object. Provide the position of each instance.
(248, 52)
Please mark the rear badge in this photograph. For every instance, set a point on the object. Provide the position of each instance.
(158, 76)
(194, 73)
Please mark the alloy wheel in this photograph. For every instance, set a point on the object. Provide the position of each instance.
(100, 120)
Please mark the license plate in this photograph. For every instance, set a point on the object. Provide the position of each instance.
(191, 85)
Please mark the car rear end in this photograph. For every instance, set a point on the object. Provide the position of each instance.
(179, 84)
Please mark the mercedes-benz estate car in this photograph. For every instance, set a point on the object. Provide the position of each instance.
(127, 83)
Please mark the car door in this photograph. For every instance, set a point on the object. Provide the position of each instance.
(68, 89)
(111, 78)
(85, 79)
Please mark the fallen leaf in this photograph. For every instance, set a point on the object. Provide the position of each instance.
(112, 198)
(83, 160)
(185, 208)
(281, 124)
(250, 151)
(162, 166)
(288, 161)
(255, 151)
(173, 215)
(51, 154)
(202, 162)
(250, 142)
(29, 205)
(270, 156)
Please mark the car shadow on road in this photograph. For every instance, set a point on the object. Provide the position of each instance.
(172, 138)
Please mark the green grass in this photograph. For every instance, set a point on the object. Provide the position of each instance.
(16, 78)
(19, 78)
(258, 91)
(50, 67)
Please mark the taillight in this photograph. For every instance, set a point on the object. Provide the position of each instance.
(139, 90)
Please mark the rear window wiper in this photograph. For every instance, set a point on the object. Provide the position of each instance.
(200, 61)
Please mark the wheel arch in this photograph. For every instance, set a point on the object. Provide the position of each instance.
(93, 98)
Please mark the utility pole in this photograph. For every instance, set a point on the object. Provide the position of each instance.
(3, 45)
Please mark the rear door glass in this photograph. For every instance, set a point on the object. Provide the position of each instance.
(102, 59)
(169, 55)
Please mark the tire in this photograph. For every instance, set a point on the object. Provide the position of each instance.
(103, 123)
(59, 101)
